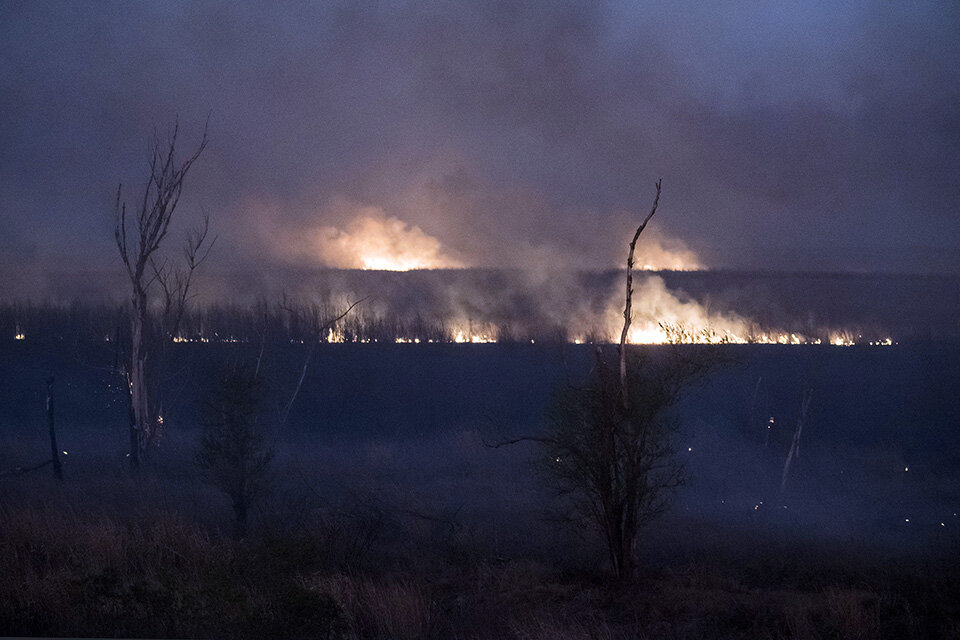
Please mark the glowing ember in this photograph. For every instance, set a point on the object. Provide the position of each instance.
(640, 334)
(460, 337)
(841, 340)
(205, 339)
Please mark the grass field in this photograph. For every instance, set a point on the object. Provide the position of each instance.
(388, 518)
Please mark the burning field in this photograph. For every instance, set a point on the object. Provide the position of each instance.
(510, 306)
(371, 338)
(413, 445)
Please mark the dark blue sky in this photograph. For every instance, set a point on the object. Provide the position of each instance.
(801, 136)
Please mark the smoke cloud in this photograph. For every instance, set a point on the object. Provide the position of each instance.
(658, 252)
(788, 136)
(371, 240)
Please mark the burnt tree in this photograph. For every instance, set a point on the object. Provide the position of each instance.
(51, 427)
(149, 224)
(609, 443)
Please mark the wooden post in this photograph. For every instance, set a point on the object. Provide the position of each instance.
(54, 451)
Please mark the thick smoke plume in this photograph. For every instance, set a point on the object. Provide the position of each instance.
(658, 252)
(505, 305)
(372, 240)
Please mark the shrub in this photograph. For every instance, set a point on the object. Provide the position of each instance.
(232, 454)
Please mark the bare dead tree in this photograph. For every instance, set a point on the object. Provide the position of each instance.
(262, 332)
(51, 427)
(628, 307)
(795, 443)
(54, 458)
(175, 280)
(315, 339)
(609, 443)
(150, 223)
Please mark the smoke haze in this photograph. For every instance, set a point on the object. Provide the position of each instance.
(792, 137)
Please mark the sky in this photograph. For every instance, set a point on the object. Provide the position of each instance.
(801, 136)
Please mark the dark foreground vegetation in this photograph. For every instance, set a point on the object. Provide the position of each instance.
(75, 563)
(385, 516)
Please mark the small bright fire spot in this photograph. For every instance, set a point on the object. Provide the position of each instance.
(460, 337)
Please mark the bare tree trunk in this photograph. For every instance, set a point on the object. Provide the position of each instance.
(314, 341)
(754, 411)
(116, 350)
(263, 342)
(134, 454)
(137, 379)
(628, 308)
(620, 538)
(54, 450)
(795, 445)
(137, 251)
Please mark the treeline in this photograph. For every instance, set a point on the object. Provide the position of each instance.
(268, 322)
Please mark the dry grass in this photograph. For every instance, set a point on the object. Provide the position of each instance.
(73, 561)
(382, 607)
(65, 574)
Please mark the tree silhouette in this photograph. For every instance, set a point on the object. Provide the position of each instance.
(138, 247)
(232, 454)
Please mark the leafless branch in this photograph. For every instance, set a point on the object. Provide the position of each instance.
(306, 361)
(628, 308)
(504, 443)
(176, 282)
(138, 249)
